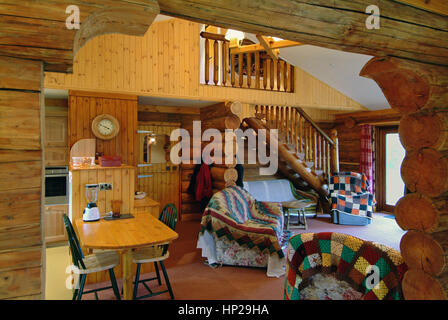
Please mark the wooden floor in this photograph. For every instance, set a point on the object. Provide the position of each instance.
(191, 278)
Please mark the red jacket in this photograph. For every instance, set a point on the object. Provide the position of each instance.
(203, 183)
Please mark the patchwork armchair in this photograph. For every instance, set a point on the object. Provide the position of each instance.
(238, 230)
(351, 201)
(336, 266)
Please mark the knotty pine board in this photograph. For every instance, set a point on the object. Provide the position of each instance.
(84, 107)
(166, 63)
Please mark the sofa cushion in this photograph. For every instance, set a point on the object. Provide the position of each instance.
(238, 203)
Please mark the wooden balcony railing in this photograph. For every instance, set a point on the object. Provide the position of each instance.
(304, 136)
(249, 70)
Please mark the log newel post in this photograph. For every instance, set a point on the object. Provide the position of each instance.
(334, 164)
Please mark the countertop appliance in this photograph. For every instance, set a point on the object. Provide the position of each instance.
(56, 185)
(91, 212)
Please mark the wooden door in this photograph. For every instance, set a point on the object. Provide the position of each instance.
(158, 177)
(54, 223)
(389, 155)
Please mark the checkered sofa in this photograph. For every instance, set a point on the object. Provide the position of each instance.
(351, 202)
(348, 259)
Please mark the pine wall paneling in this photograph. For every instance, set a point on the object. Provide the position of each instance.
(85, 106)
(166, 63)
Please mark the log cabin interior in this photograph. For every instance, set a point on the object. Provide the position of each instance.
(353, 119)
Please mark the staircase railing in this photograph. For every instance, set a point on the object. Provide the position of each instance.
(303, 136)
(249, 70)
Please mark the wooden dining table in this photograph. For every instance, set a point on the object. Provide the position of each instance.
(124, 236)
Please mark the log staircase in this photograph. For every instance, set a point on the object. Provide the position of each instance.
(307, 154)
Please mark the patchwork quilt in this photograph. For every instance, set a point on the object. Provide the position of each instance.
(349, 192)
(374, 270)
(233, 213)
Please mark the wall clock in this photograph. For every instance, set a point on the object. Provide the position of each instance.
(105, 126)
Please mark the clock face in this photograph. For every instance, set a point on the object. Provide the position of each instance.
(105, 127)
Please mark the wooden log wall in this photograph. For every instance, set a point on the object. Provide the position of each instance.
(220, 116)
(422, 100)
(348, 126)
(22, 271)
(85, 106)
(166, 63)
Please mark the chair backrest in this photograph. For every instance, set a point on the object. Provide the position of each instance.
(350, 258)
(169, 216)
(348, 182)
(73, 242)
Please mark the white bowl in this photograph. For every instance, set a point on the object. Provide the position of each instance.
(139, 195)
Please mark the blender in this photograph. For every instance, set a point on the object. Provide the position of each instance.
(91, 212)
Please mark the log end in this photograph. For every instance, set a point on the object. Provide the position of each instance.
(416, 212)
(425, 171)
(403, 88)
(418, 285)
(421, 130)
(421, 251)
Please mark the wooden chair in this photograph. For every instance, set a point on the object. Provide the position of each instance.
(84, 265)
(155, 254)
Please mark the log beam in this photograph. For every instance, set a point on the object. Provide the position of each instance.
(409, 86)
(405, 32)
(273, 53)
(37, 29)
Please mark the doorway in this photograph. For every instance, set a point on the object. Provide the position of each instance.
(390, 154)
(157, 176)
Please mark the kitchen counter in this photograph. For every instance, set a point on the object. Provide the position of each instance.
(121, 178)
(147, 205)
(98, 167)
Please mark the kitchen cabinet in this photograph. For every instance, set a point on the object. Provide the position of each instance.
(56, 157)
(56, 140)
(54, 223)
(56, 131)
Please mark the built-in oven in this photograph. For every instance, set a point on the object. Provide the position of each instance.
(56, 185)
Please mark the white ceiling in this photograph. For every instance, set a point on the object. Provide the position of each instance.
(338, 69)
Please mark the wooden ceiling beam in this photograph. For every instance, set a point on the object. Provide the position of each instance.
(264, 41)
(37, 30)
(436, 6)
(169, 109)
(258, 47)
(405, 31)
